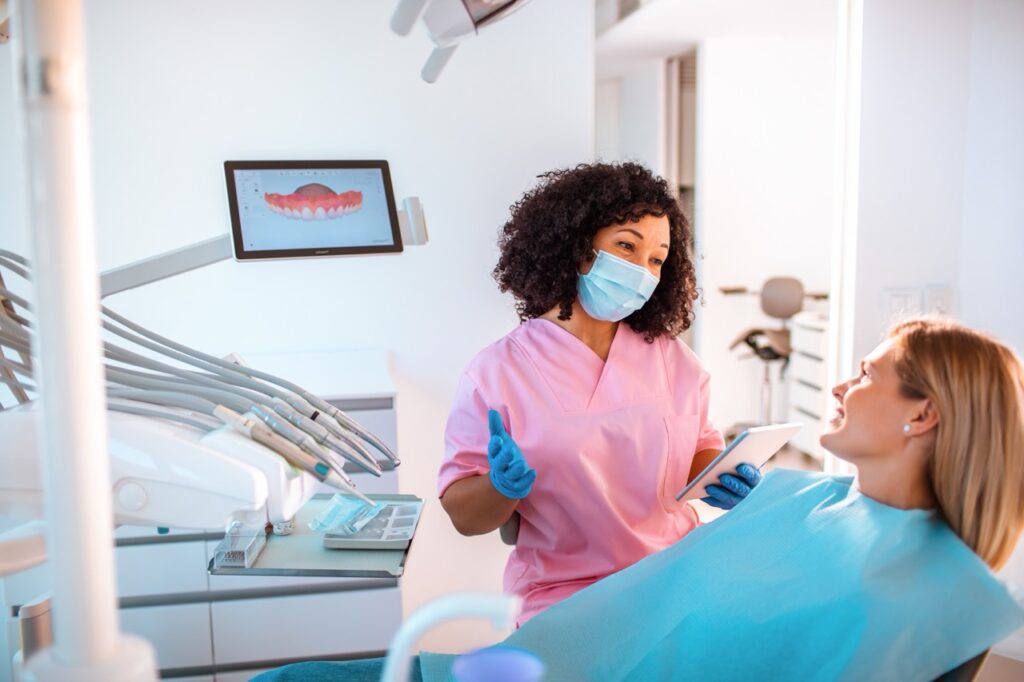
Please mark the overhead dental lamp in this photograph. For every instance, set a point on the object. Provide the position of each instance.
(449, 22)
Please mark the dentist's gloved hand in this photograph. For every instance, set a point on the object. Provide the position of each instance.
(731, 489)
(510, 474)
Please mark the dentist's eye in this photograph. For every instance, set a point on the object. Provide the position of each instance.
(626, 246)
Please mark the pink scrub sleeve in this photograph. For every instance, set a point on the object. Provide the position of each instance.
(710, 438)
(465, 437)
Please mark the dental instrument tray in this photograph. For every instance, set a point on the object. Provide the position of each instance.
(303, 554)
(392, 528)
(754, 446)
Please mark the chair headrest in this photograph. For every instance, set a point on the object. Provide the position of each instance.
(782, 297)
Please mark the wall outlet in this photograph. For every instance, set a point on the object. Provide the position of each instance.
(939, 300)
(899, 304)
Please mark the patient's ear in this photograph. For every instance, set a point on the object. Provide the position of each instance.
(925, 420)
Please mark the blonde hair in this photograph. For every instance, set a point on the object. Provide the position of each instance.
(976, 384)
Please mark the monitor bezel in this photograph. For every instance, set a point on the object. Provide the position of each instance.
(238, 243)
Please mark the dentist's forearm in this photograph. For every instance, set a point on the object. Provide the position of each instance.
(475, 506)
(700, 462)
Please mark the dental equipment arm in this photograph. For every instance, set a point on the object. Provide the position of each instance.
(223, 397)
(303, 401)
(253, 399)
(131, 407)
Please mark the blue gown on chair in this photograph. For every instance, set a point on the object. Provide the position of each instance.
(806, 579)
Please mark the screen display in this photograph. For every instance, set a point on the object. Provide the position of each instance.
(314, 208)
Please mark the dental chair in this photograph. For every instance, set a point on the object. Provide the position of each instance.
(781, 298)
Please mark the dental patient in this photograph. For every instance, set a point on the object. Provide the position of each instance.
(817, 577)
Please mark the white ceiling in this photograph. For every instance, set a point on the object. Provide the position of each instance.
(663, 28)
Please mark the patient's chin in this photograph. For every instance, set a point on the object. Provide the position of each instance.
(831, 441)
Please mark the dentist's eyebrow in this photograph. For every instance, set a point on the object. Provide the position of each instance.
(637, 234)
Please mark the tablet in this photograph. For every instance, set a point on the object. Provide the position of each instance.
(754, 446)
(298, 209)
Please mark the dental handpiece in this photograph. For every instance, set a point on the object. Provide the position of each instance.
(262, 434)
(321, 417)
(347, 422)
(324, 437)
(258, 432)
(299, 438)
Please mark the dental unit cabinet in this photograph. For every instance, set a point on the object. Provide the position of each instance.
(201, 624)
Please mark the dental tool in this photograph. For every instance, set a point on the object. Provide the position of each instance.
(324, 437)
(259, 432)
(299, 438)
(246, 402)
(229, 374)
(221, 395)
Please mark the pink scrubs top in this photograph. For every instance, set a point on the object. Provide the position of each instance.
(612, 442)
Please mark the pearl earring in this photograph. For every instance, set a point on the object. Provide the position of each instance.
(906, 428)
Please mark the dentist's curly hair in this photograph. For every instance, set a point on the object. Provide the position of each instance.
(549, 235)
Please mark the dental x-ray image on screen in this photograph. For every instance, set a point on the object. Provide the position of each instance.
(291, 209)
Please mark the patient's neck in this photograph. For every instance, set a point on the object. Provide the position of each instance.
(891, 482)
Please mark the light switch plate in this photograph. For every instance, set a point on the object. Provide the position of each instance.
(940, 300)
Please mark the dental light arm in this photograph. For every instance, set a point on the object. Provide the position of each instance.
(448, 23)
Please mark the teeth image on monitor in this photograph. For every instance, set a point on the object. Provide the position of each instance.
(314, 202)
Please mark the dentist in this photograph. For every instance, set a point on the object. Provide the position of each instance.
(583, 422)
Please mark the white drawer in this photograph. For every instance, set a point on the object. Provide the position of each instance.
(180, 633)
(165, 568)
(809, 340)
(807, 399)
(807, 369)
(305, 626)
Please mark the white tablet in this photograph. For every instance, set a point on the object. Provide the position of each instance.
(754, 446)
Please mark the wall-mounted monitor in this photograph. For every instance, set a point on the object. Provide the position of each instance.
(296, 209)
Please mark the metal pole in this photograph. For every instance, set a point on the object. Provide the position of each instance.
(76, 467)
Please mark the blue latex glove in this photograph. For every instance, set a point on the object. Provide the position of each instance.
(731, 489)
(510, 474)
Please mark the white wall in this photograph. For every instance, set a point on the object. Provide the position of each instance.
(177, 88)
(641, 115)
(913, 125)
(991, 276)
(992, 241)
(607, 102)
(765, 128)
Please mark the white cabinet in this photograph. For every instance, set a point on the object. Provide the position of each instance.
(807, 381)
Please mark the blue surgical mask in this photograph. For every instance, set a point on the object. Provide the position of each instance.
(614, 288)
